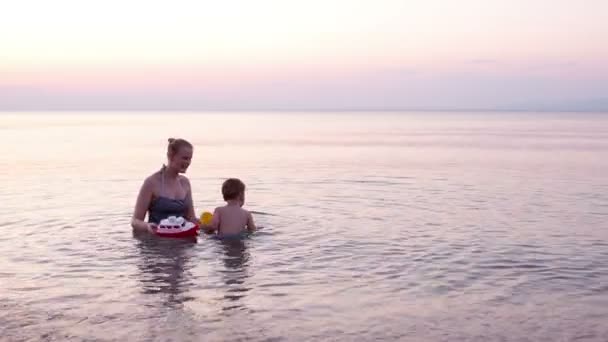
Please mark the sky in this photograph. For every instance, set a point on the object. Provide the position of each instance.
(304, 55)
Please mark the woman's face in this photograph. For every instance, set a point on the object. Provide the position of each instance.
(181, 160)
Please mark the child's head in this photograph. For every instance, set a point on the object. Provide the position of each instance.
(233, 189)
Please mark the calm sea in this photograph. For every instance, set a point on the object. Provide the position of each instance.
(377, 226)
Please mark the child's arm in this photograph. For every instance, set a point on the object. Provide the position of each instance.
(250, 223)
(215, 222)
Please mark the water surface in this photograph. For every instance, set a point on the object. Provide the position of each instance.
(378, 226)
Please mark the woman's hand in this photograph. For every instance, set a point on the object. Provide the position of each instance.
(152, 227)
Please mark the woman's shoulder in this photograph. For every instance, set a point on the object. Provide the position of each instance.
(184, 181)
(152, 179)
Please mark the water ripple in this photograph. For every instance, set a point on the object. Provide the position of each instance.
(464, 238)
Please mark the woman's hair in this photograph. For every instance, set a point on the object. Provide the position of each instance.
(177, 144)
(232, 188)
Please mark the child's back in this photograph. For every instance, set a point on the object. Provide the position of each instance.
(231, 219)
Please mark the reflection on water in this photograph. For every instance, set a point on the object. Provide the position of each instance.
(164, 265)
(236, 260)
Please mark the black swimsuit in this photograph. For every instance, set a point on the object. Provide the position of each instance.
(162, 207)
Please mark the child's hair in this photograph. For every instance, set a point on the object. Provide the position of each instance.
(232, 188)
(177, 144)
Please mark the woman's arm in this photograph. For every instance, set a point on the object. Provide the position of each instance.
(141, 207)
(191, 213)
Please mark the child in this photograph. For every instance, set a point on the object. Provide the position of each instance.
(231, 219)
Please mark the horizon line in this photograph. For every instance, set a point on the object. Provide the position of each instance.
(295, 110)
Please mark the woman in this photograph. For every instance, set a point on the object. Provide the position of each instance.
(166, 193)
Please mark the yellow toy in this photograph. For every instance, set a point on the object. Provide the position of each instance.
(206, 218)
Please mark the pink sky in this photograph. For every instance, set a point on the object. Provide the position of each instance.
(301, 55)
